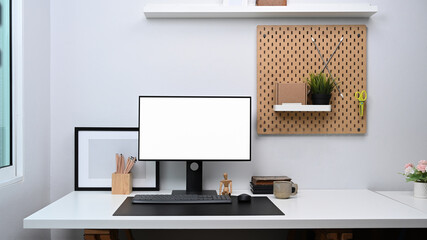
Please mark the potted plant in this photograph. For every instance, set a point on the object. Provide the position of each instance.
(321, 88)
(418, 175)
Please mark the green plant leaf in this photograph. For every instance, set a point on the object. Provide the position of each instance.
(319, 84)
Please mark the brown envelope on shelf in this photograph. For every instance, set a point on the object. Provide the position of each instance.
(291, 93)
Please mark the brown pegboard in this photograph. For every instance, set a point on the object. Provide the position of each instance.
(287, 54)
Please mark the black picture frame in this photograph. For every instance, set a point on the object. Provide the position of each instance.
(78, 131)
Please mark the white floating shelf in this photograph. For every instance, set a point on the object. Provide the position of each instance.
(297, 107)
(290, 11)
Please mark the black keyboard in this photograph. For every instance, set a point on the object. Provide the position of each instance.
(180, 199)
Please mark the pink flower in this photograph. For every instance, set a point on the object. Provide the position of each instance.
(422, 162)
(408, 165)
(421, 168)
(409, 170)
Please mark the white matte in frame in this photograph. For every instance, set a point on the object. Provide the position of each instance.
(99, 175)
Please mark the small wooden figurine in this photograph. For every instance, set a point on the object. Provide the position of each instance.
(227, 184)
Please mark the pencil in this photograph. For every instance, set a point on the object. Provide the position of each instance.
(117, 162)
(127, 165)
(131, 163)
(118, 166)
(122, 163)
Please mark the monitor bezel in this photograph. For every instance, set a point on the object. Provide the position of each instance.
(204, 160)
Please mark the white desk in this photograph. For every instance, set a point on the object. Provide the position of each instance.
(311, 209)
(407, 198)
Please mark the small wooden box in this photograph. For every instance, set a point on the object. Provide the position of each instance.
(271, 2)
(121, 183)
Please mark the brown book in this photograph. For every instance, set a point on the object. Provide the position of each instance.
(271, 2)
(268, 180)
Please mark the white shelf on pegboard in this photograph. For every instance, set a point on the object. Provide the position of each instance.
(298, 107)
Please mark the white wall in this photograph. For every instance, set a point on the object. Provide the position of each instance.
(104, 54)
(21, 199)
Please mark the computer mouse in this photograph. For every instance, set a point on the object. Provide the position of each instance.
(244, 197)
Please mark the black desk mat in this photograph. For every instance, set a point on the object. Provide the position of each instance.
(258, 206)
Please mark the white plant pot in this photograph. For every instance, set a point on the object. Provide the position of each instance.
(420, 190)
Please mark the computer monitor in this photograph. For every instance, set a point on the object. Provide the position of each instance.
(194, 129)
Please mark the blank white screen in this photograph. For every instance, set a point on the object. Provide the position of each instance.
(194, 128)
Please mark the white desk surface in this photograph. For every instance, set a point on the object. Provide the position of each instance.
(407, 198)
(309, 209)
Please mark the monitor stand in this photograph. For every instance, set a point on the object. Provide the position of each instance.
(194, 180)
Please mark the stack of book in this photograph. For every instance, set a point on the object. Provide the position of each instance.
(264, 184)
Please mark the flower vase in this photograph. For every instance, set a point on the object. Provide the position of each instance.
(420, 189)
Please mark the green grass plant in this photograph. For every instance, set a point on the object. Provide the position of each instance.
(320, 84)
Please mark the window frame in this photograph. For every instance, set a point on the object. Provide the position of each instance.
(14, 172)
(10, 83)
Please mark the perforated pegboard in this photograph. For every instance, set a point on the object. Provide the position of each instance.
(287, 54)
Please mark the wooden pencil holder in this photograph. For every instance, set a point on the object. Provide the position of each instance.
(121, 183)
